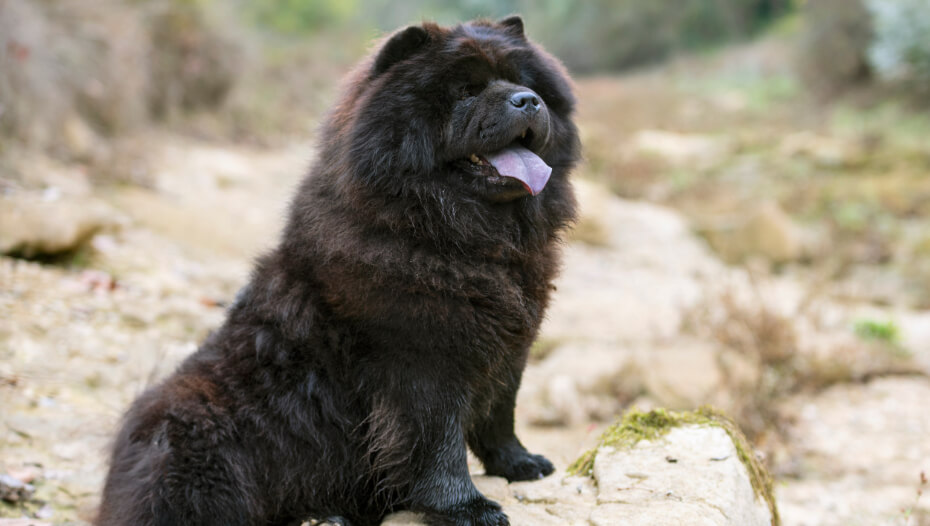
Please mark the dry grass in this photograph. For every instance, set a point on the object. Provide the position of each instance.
(783, 358)
(920, 518)
(769, 341)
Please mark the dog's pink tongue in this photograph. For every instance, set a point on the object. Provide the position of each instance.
(523, 165)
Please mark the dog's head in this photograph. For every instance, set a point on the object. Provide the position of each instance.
(476, 107)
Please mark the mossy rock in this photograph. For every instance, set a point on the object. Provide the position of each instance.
(636, 425)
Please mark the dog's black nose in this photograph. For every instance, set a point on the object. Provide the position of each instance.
(525, 101)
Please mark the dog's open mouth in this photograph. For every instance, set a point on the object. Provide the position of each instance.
(515, 162)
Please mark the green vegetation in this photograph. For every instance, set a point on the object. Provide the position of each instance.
(633, 427)
(605, 35)
(893, 121)
(636, 425)
(762, 92)
(299, 17)
(590, 36)
(885, 331)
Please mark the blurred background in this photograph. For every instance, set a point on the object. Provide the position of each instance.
(755, 229)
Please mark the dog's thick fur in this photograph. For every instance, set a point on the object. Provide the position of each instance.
(390, 327)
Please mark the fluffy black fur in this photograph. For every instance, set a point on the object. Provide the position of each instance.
(390, 327)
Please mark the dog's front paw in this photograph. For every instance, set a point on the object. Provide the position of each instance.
(521, 465)
(476, 512)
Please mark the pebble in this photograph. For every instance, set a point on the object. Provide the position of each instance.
(14, 490)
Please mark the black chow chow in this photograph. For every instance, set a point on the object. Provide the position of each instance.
(389, 329)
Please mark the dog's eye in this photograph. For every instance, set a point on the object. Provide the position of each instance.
(470, 90)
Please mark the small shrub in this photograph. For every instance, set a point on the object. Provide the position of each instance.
(193, 64)
(901, 48)
(833, 50)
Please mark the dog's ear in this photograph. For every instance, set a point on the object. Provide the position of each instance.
(514, 25)
(400, 46)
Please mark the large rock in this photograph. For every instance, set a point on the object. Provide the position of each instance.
(693, 475)
(32, 226)
(664, 467)
(767, 231)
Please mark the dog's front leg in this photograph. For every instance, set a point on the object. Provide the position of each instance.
(417, 447)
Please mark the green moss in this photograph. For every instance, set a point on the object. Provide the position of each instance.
(636, 425)
(633, 427)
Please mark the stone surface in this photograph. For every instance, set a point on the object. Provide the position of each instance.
(915, 336)
(78, 139)
(684, 375)
(673, 513)
(494, 488)
(693, 150)
(638, 285)
(766, 231)
(560, 488)
(692, 475)
(31, 225)
(861, 450)
(13, 489)
(403, 518)
(578, 382)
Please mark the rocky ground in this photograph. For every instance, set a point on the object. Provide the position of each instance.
(642, 316)
(652, 468)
